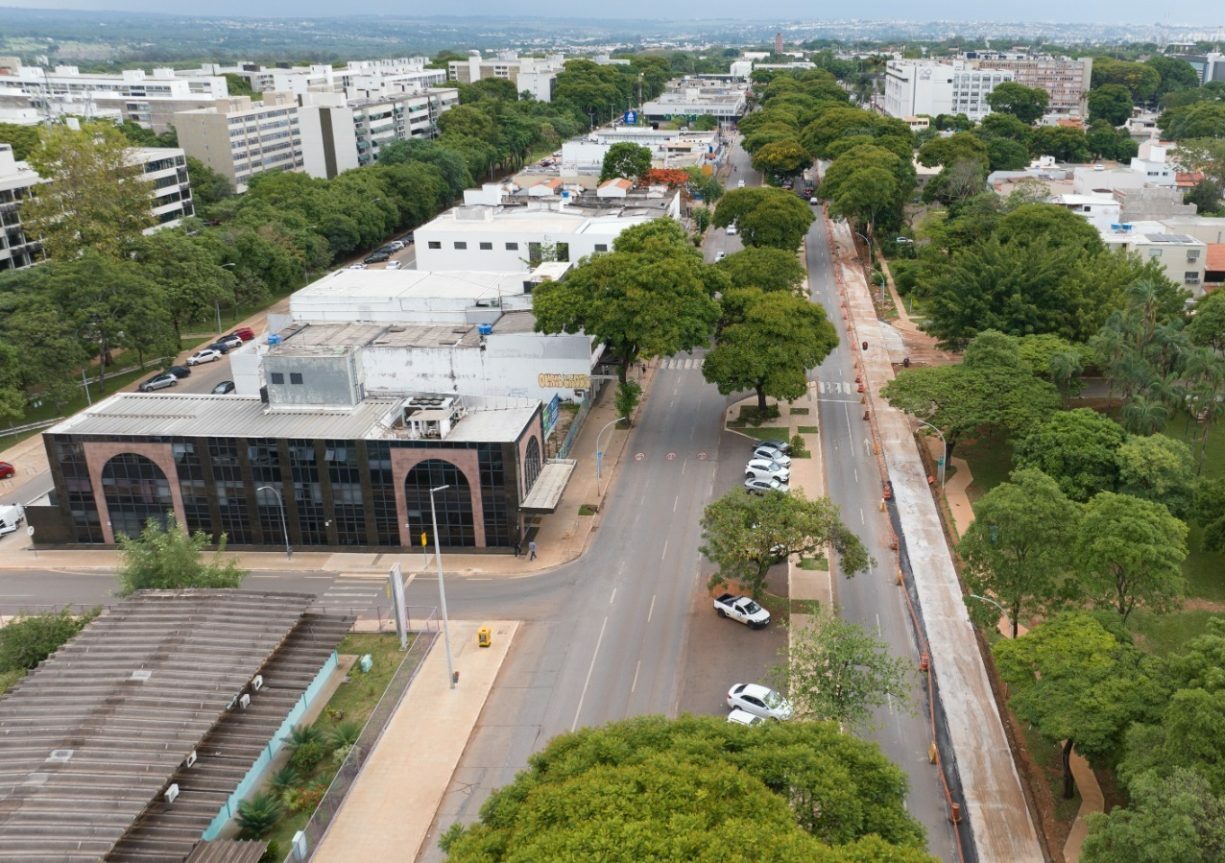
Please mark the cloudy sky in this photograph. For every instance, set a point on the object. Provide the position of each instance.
(1115, 11)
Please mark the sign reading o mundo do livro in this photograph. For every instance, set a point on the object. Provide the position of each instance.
(548, 380)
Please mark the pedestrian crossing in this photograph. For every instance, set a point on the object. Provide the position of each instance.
(356, 593)
(681, 363)
(835, 387)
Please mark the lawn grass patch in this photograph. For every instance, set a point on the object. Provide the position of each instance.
(749, 415)
(818, 563)
(990, 463)
(806, 429)
(587, 509)
(799, 412)
(1163, 634)
(764, 432)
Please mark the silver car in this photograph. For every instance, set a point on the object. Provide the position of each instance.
(767, 467)
(761, 485)
(158, 382)
(759, 700)
(771, 454)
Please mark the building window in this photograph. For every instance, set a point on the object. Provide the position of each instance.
(136, 491)
(1154, 253)
(512, 247)
(1191, 278)
(277, 377)
(295, 377)
(563, 251)
(601, 247)
(434, 244)
(486, 247)
(453, 504)
(460, 245)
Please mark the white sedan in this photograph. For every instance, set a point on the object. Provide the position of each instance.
(763, 484)
(743, 717)
(758, 700)
(205, 355)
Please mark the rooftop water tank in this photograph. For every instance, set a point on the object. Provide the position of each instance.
(484, 329)
(274, 339)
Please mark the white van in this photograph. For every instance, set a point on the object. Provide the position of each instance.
(11, 517)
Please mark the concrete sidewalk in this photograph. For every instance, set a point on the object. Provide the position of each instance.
(562, 536)
(388, 811)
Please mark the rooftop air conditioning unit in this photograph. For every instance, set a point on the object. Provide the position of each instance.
(172, 793)
(244, 701)
(190, 759)
(257, 683)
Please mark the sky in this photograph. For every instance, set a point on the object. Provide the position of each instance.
(1192, 12)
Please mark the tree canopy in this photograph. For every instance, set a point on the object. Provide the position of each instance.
(765, 216)
(625, 159)
(694, 789)
(1078, 448)
(1172, 818)
(1110, 102)
(1027, 104)
(166, 557)
(763, 267)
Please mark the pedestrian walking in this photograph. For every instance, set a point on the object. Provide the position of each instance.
(531, 550)
(518, 547)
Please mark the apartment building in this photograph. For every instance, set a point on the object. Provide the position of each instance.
(1065, 79)
(917, 87)
(240, 138)
(531, 74)
(148, 98)
(340, 134)
(165, 170)
(357, 79)
(17, 181)
(1182, 256)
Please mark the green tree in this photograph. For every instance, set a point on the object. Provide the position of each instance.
(1107, 142)
(1078, 683)
(23, 138)
(1078, 449)
(625, 159)
(1004, 154)
(765, 268)
(838, 671)
(1141, 80)
(744, 535)
(95, 197)
(1027, 104)
(647, 298)
(1174, 818)
(1206, 155)
(1157, 468)
(782, 158)
(687, 790)
(1200, 120)
(1130, 552)
(1110, 102)
(955, 148)
(168, 558)
(864, 196)
(1176, 74)
(208, 187)
(1017, 549)
(193, 282)
(27, 639)
(1206, 195)
(628, 395)
(1060, 142)
(765, 216)
(771, 347)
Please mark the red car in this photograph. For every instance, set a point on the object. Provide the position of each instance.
(7, 470)
(244, 333)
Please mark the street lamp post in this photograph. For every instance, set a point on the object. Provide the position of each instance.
(988, 600)
(944, 460)
(599, 454)
(442, 591)
(868, 266)
(280, 502)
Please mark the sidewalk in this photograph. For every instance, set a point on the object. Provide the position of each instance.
(388, 811)
(562, 537)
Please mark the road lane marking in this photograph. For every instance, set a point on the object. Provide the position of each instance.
(613, 599)
(856, 474)
(861, 521)
(651, 610)
(590, 669)
(634, 685)
(665, 551)
(676, 502)
(684, 465)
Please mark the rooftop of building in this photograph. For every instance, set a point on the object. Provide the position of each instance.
(376, 417)
(94, 736)
(1150, 231)
(484, 219)
(1214, 261)
(324, 338)
(415, 285)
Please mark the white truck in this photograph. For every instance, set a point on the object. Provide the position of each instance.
(11, 517)
(743, 609)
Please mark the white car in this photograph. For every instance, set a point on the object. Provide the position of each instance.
(771, 454)
(731, 230)
(396, 245)
(743, 717)
(761, 485)
(759, 700)
(392, 265)
(722, 254)
(740, 184)
(206, 355)
(767, 468)
(356, 267)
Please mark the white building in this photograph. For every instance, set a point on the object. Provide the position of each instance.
(340, 134)
(512, 239)
(1182, 256)
(148, 98)
(1065, 79)
(17, 180)
(240, 138)
(534, 75)
(359, 79)
(165, 169)
(914, 87)
(690, 98)
(669, 149)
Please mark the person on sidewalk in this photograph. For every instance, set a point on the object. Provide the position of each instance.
(531, 550)
(518, 547)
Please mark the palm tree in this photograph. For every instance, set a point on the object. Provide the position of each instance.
(1065, 368)
(1144, 415)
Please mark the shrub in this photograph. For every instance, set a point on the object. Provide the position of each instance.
(344, 734)
(300, 735)
(304, 799)
(283, 779)
(306, 757)
(798, 450)
(257, 816)
(27, 641)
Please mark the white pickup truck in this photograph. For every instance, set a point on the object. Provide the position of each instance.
(743, 609)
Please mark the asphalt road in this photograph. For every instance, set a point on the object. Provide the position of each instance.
(871, 599)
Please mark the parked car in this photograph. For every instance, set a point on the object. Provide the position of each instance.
(720, 256)
(780, 445)
(742, 609)
(740, 184)
(375, 258)
(244, 333)
(159, 382)
(763, 484)
(743, 717)
(231, 341)
(223, 389)
(759, 700)
(772, 454)
(393, 265)
(732, 230)
(407, 239)
(180, 372)
(766, 467)
(356, 267)
(204, 355)
(7, 470)
(11, 517)
(396, 245)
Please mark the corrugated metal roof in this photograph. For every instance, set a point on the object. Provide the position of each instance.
(227, 851)
(549, 485)
(92, 736)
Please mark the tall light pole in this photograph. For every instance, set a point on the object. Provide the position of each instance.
(280, 502)
(881, 289)
(599, 453)
(944, 460)
(442, 591)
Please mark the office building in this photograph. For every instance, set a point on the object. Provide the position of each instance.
(148, 98)
(927, 87)
(357, 79)
(240, 138)
(165, 169)
(1065, 79)
(339, 134)
(690, 98)
(17, 182)
(1209, 66)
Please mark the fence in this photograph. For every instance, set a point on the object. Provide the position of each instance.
(333, 798)
(593, 395)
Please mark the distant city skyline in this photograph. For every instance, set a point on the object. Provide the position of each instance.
(1171, 13)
